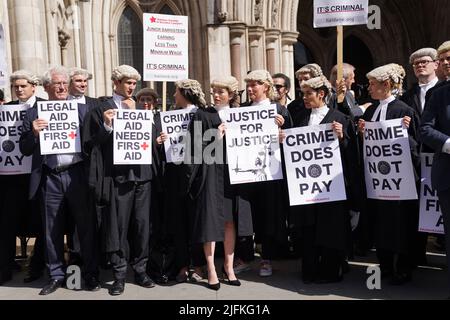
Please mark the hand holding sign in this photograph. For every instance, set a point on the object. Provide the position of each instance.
(337, 127)
(108, 117)
(406, 121)
(38, 126)
(341, 88)
(129, 104)
(279, 120)
(361, 126)
(222, 130)
(162, 138)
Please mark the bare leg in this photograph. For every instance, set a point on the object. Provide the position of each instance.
(229, 242)
(208, 248)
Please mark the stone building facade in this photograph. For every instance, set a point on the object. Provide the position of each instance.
(226, 36)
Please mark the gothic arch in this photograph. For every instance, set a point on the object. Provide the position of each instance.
(170, 4)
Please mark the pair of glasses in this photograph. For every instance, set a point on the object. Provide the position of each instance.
(421, 62)
(279, 86)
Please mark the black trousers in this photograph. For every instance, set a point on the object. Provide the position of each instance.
(62, 194)
(444, 200)
(318, 262)
(395, 263)
(133, 211)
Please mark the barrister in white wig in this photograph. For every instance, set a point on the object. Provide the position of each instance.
(18, 215)
(268, 198)
(219, 208)
(396, 222)
(324, 228)
(312, 70)
(122, 191)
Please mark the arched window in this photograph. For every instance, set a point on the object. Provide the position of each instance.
(130, 41)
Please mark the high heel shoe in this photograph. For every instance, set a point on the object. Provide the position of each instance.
(214, 286)
(235, 283)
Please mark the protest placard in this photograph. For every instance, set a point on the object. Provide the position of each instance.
(330, 13)
(175, 125)
(62, 135)
(430, 219)
(252, 142)
(12, 161)
(313, 165)
(388, 167)
(133, 137)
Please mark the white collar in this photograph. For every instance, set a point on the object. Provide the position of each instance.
(220, 108)
(31, 101)
(118, 100)
(262, 103)
(321, 110)
(385, 102)
(430, 84)
(79, 99)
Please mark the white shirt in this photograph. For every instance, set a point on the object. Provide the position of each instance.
(30, 102)
(446, 147)
(262, 103)
(424, 88)
(118, 100)
(382, 108)
(221, 111)
(317, 115)
(79, 99)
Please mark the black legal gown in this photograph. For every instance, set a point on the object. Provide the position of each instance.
(396, 222)
(215, 200)
(331, 220)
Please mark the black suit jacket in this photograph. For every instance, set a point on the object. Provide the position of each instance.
(412, 98)
(435, 131)
(30, 146)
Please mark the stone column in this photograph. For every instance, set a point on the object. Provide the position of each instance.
(273, 50)
(257, 47)
(287, 41)
(27, 35)
(237, 33)
(219, 52)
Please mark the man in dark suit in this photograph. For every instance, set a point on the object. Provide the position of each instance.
(124, 190)
(435, 133)
(15, 209)
(59, 182)
(425, 65)
(77, 91)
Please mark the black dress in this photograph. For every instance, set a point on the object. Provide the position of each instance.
(215, 200)
(324, 228)
(396, 222)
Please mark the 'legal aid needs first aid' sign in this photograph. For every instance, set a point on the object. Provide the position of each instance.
(331, 13)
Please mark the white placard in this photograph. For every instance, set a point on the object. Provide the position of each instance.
(176, 124)
(313, 165)
(133, 137)
(3, 64)
(388, 167)
(166, 50)
(331, 13)
(430, 219)
(12, 161)
(62, 135)
(253, 148)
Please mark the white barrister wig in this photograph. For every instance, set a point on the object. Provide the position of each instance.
(391, 71)
(317, 83)
(424, 52)
(80, 72)
(230, 83)
(125, 71)
(25, 75)
(194, 87)
(444, 47)
(262, 76)
(313, 69)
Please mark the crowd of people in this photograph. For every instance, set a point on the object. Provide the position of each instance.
(113, 216)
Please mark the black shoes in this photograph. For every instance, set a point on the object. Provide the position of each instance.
(235, 283)
(52, 286)
(118, 287)
(214, 286)
(92, 284)
(144, 280)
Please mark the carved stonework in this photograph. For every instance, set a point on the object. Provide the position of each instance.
(275, 7)
(63, 38)
(258, 12)
(222, 17)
